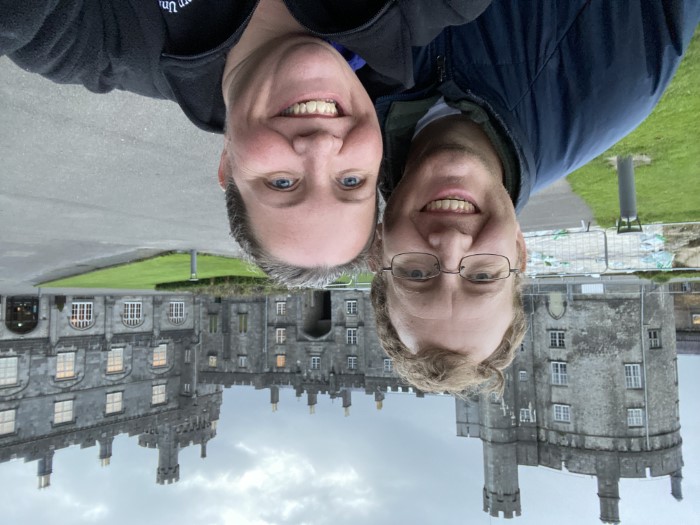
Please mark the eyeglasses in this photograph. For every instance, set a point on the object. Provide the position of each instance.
(478, 268)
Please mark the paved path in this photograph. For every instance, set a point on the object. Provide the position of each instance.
(90, 180)
(555, 208)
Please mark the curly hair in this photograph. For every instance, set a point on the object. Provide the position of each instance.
(437, 369)
(281, 272)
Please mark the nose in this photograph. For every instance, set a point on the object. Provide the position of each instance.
(318, 144)
(451, 245)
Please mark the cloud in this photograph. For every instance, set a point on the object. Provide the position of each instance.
(284, 487)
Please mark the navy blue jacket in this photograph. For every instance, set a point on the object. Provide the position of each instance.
(133, 45)
(562, 81)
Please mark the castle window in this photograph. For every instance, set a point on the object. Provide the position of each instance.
(281, 360)
(213, 324)
(8, 371)
(212, 361)
(352, 362)
(160, 356)
(7, 421)
(633, 376)
(114, 402)
(351, 336)
(351, 307)
(65, 365)
(188, 355)
(315, 362)
(176, 312)
(388, 365)
(522, 375)
(559, 375)
(635, 417)
(62, 412)
(556, 339)
(562, 413)
(242, 361)
(243, 322)
(280, 335)
(695, 319)
(281, 307)
(654, 338)
(158, 395)
(525, 415)
(81, 315)
(133, 313)
(115, 360)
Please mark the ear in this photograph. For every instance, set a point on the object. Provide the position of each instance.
(522, 251)
(224, 170)
(375, 252)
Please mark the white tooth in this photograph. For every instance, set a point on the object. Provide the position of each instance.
(321, 107)
(302, 108)
(311, 106)
(453, 205)
(437, 205)
(460, 205)
(295, 109)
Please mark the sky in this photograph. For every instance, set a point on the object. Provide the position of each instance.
(401, 464)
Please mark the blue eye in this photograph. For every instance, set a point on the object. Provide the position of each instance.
(282, 184)
(351, 181)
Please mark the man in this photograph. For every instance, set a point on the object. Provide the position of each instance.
(502, 107)
(302, 142)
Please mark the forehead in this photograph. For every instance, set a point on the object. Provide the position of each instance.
(456, 320)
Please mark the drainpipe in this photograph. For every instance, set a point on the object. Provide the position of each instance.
(644, 366)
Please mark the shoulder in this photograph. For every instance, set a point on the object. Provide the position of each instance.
(102, 44)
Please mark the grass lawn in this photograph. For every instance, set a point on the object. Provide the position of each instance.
(144, 275)
(668, 189)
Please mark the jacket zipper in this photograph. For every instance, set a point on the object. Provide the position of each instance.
(441, 68)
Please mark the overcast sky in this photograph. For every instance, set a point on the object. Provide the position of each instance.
(401, 464)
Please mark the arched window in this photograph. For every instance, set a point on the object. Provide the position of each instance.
(176, 312)
(81, 315)
(133, 313)
(22, 314)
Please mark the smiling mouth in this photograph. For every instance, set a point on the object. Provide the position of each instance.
(313, 108)
(451, 205)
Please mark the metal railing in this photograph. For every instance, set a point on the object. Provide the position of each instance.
(598, 251)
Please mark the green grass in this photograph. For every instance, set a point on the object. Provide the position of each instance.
(146, 274)
(668, 189)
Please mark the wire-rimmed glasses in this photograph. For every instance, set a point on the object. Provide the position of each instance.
(477, 268)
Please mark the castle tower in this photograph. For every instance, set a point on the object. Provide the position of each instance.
(312, 400)
(44, 469)
(274, 397)
(608, 475)
(105, 450)
(501, 487)
(168, 450)
(347, 401)
(379, 399)
(676, 488)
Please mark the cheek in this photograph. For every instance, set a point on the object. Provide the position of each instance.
(257, 148)
(364, 145)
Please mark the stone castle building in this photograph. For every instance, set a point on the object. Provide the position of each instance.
(79, 370)
(593, 390)
(686, 304)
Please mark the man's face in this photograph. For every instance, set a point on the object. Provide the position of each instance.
(451, 202)
(305, 147)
